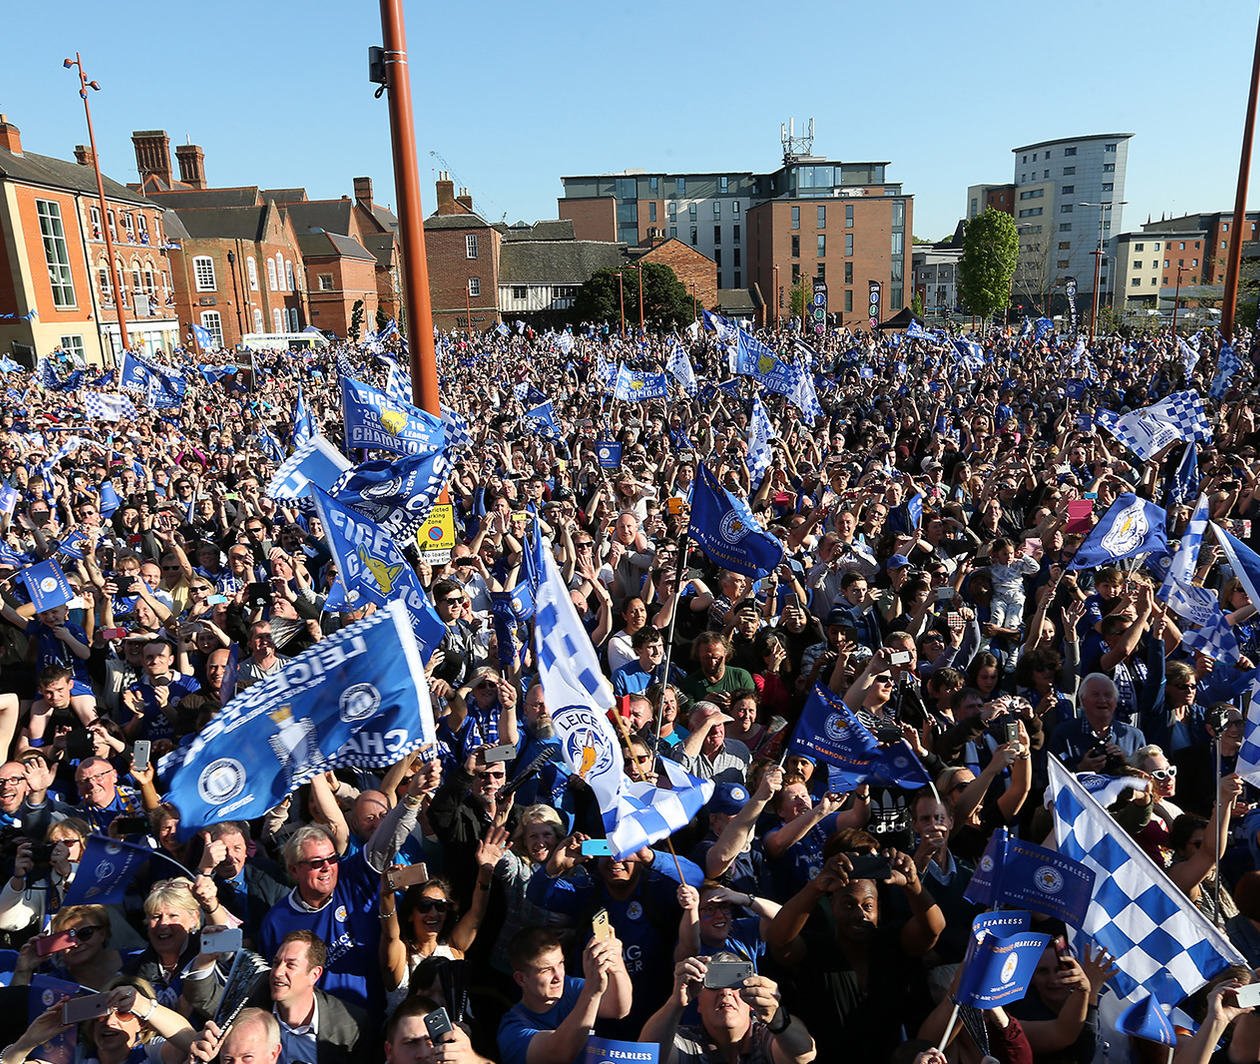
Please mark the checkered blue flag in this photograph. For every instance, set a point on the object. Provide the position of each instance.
(1215, 640)
(647, 814)
(679, 364)
(1146, 432)
(1248, 766)
(760, 453)
(1161, 943)
(803, 395)
(1227, 364)
(458, 434)
(397, 384)
(104, 406)
(1195, 604)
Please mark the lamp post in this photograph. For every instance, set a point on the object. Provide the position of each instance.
(1177, 298)
(621, 301)
(642, 331)
(84, 85)
(695, 306)
(1098, 257)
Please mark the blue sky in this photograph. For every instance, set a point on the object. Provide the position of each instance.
(512, 96)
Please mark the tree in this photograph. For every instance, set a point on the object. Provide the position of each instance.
(987, 266)
(916, 305)
(382, 319)
(666, 302)
(356, 321)
(799, 298)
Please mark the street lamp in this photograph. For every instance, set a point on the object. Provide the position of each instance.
(1177, 297)
(642, 332)
(1098, 257)
(84, 85)
(621, 301)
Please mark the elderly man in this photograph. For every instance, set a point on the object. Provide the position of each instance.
(1096, 741)
(100, 797)
(707, 752)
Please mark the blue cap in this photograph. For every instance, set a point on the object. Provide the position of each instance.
(728, 798)
(897, 561)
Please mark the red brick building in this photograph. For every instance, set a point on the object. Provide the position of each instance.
(462, 250)
(593, 217)
(697, 272)
(340, 273)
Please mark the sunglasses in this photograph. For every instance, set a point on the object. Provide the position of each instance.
(1162, 775)
(316, 863)
(85, 933)
(885, 678)
(428, 905)
(454, 600)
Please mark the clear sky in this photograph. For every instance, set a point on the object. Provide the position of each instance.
(513, 95)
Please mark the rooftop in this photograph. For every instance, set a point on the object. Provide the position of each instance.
(557, 261)
(1074, 140)
(61, 173)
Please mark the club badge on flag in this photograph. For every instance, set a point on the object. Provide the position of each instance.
(998, 969)
(1027, 876)
(108, 867)
(608, 454)
(725, 529)
(1146, 432)
(47, 585)
(1131, 526)
(375, 421)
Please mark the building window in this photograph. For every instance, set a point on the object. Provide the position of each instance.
(213, 324)
(673, 232)
(1109, 147)
(277, 320)
(1165, 264)
(735, 232)
(680, 186)
(73, 346)
(796, 247)
(1069, 171)
(1194, 262)
(695, 235)
(1031, 212)
(717, 235)
(1024, 159)
(848, 300)
(1136, 281)
(129, 226)
(1137, 264)
(848, 215)
(671, 210)
(1109, 168)
(717, 258)
(736, 258)
(295, 324)
(1069, 151)
(251, 273)
(1181, 245)
(654, 183)
(848, 273)
(822, 245)
(325, 282)
(691, 212)
(1108, 186)
(724, 183)
(1065, 227)
(822, 271)
(739, 278)
(271, 276)
(56, 254)
(1142, 247)
(1066, 208)
(1064, 263)
(898, 242)
(289, 278)
(203, 272)
(106, 284)
(470, 245)
(474, 286)
(848, 243)
(1069, 190)
(1156, 245)
(94, 217)
(735, 208)
(652, 211)
(1066, 245)
(519, 291)
(717, 208)
(1045, 174)
(279, 270)
(796, 217)
(259, 323)
(1033, 193)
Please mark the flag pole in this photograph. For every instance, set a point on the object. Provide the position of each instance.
(684, 539)
(637, 774)
(949, 1029)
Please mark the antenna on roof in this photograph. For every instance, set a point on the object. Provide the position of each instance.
(793, 146)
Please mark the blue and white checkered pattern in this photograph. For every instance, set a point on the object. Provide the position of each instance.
(1189, 356)
(760, 453)
(397, 384)
(1227, 364)
(804, 396)
(1214, 640)
(679, 364)
(567, 662)
(458, 435)
(1248, 766)
(103, 406)
(1179, 416)
(343, 363)
(1194, 604)
(1160, 941)
(646, 814)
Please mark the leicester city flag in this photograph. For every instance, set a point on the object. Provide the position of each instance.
(1022, 874)
(542, 422)
(633, 385)
(998, 968)
(1131, 526)
(608, 454)
(373, 420)
(359, 697)
(109, 865)
(396, 494)
(726, 531)
(47, 585)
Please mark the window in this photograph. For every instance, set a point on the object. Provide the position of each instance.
(519, 291)
(796, 247)
(1165, 264)
(1108, 186)
(289, 277)
(724, 183)
(1142, 247)
(652, 211)
(129, 226)
(1109, 147)
(1181, 245)
(325, 282)
(73, 346)
(974, 207)
(1069, 171)
(1069, 190)
(1194, 262)
(1136, 281)
(94, 217)
(848, 299)
(736, 257)
(470, 246)
(1064, 263)
(1031, 212)
(717, 258)
(1034, 158)
(695, 232)
(213, 324)
(796, 272)
(279, 270)
(109, 222)
(1065, 227)
(717, 234)
(671, 210)
(106, 283)
(654, 183)
(673, 231)
(121, 274)
(680, 186)
(822, 245)
(717, 208)
(1024, 159)
(1156, 245)
(203, 271)
(691, 212)
(735, 208)
(295, 325)
(1032, 193)
(848, 215)
(1069, 151)
(848, 243)
(1066, 208)
(848, 273)
(898, 242)
(56, 254)
(735, 232)
(271, 276)
(1137, 264)
(277, 320)
(796, 217)
(822, 216)
(739, 278)
(251, 272)
(822, 271)
(1066, 245)
(1109, 168)
(259, 323)
(1045, 174)
(474, 286)
(1223, 245)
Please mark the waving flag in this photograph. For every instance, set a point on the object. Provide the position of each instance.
(646, 814)
(725, 529)
(1248, 766)
(1161, 943)
(1243, 560)
(541, 421)
(304, 427)
(760, 453)
(47, 585)
(212, 374)
(1023, 875)
(1146, 432)
(102, 406)
(1147, 1019)
(395, 494)
(1041, 327)
(359, 697)
(1195, 604)
(679, 364)
(1227, 364)
(1215, 640)
(1189, 356)
(110, 865)
(636, 386)
(108, 499)
(527, 395)
(804, 396)
(998, 969)
(458, 435)
(315, 462)
(397, 383)
(725, 330)
(270, 446)
(752, 358)
(1183, 483)
(375, 421)
(9, 497)
(1131, 526)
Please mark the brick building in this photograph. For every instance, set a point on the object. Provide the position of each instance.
(462, 251)
(340, 272)
(1214, 256)
(593, 217)
(697, 272)
(53, 263)
(542, 266)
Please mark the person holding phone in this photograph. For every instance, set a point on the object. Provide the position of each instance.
(408, 1039)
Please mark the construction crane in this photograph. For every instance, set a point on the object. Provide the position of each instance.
(459, 182)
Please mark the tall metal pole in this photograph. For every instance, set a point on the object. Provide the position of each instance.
(621, 300)
(424, 382)
(1240, 200)
(1177, 299)
(84, 85)
(775, 297)
(642, 331)
(1093, 318)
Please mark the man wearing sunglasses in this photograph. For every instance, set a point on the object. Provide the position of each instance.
(458, 647)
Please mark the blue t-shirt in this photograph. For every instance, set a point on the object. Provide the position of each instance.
(519, 1024)
(157, 725)
(52, 651)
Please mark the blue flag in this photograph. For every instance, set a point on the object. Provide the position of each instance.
(527, 395)
(829, 731)
(1183, 483)
(1243, 560)
(73, 545)
(1147, 1019)
(316, 462)
(304, 426)
(108, 866)
(542, 422)
(9, 499)
(358, 697)
(394, 494)
(371, 569)
(634, 386)
(608, 454)
(203, 336)
(374, 420)
(1131, 526)
(1027, 876)
(1040, 328)
(998, 969)
(609, 1051)
(47, 585)
(752, 358)
(724, 528)
(109, 500)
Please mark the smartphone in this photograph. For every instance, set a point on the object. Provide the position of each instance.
(257, 594)
(870, 866)
(229, 940)
(140, 754)
(407, 876)
(1062, 950)
(1249, 996)
(899, 657)
(1011, 732)
(945, 594)
(502, 752)
(109, 634)
(124, 584)
(125, 826)
(601, 927)
(217, 600)
(84, 1007)
(954, 620)
(438, 1024)
(596, 848)
(150, 498)
(723, 974)
(55, 943)
(1091, 495)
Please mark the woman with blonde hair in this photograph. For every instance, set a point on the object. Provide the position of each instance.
(88, 957)
(173, 915)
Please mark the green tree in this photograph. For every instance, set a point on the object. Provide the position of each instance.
(382, 319)
(356, 320)
(916, 305)
(666, 302)
(987, 266)
(799, 297)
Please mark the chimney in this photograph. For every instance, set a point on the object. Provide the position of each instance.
(192, 165)
(83, 155)
(445, 193)
(363, 191)
(10, 136)
(153, 154)
(465, 199)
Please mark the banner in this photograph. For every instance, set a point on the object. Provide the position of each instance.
(47, 585)
(725, 529)
(375, 421)
(610, 1051)
(818, 306)
(873, 299)
(1021, 873)
(1069, 288)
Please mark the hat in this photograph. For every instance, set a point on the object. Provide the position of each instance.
(839, 615)
(728, 798)
(897, 561)
(929, 464)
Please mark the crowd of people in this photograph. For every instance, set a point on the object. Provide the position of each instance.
(453, 907)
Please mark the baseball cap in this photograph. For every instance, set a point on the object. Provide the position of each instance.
(897, 561)
(728, 798)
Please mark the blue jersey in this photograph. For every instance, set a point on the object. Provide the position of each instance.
(347, 924)
(519, 1024)
(52, 651)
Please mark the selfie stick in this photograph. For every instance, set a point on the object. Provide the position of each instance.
(949, 1029)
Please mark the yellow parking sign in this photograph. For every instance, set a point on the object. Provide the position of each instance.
(436, 539)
